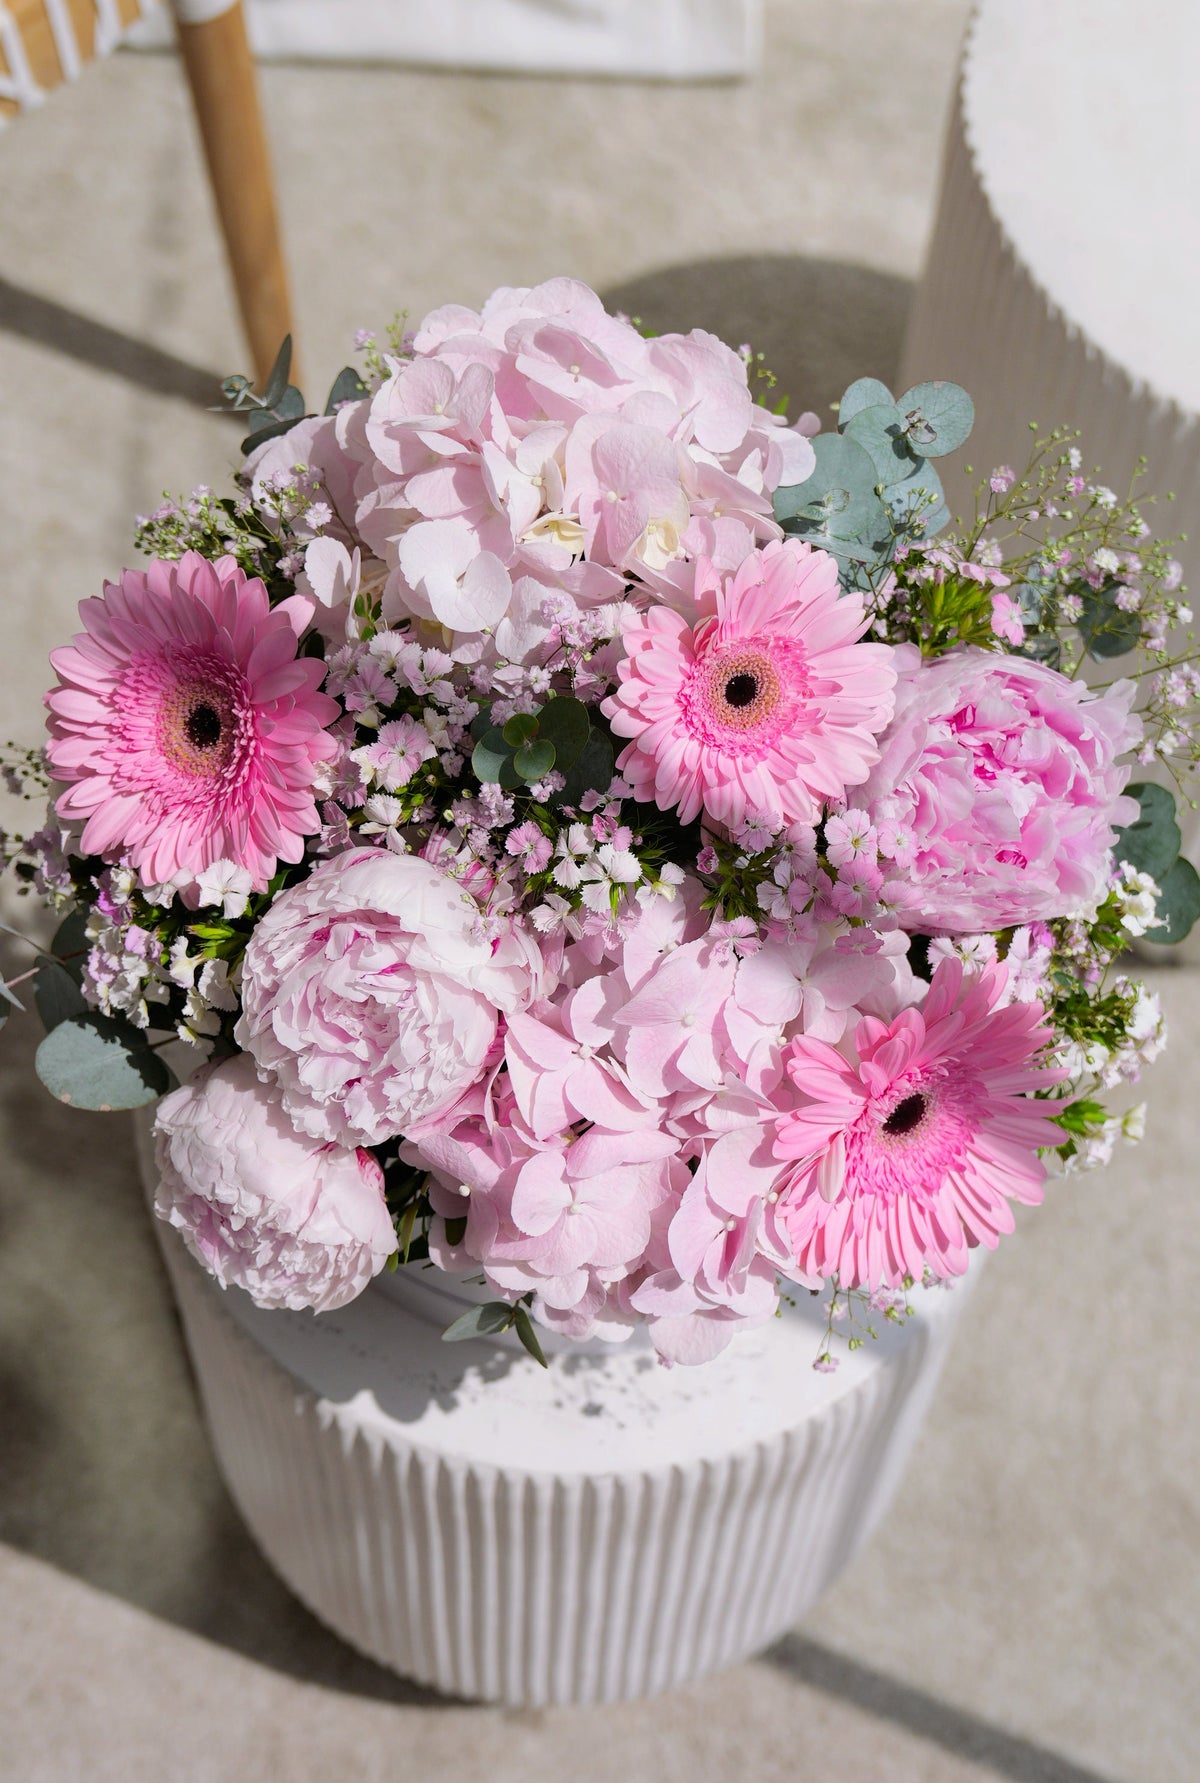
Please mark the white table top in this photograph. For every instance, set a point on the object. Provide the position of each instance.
(1085, 120)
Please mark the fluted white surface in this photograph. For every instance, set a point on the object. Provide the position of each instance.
(1060, 277)
(606, 1529)
(1059, 282)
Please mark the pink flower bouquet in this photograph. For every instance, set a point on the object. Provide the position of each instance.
(603, 840)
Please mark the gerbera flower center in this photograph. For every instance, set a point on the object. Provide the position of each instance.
(197, 727)
(906, 1115)
(740, 690)
(203, 726)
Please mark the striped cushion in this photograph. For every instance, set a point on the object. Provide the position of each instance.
(45, 42)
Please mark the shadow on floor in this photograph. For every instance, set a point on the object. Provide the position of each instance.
(818, 324)
(48, 324)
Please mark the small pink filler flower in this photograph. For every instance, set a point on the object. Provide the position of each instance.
(770, 705)
(185, 724)
(909, 1151)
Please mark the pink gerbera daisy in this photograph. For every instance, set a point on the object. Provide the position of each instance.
(909, 1151)
(185, 724)
(770, 705)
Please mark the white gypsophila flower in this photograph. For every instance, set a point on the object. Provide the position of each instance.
(1107, 560)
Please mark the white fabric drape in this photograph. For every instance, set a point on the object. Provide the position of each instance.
(655, 39)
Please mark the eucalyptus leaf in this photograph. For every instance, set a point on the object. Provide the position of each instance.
(565, 723)
(838, 501)
(492, 761)
(71, 945)
(533, 761)
(1042, 646)
(10, 997)
(479, 1321)
(90, 1061)
(919, 494)
(456, 1229)
(277, 378)
(269, 429)
(938, 415)
(1106, 631)
(864, 393)
(347, 387)
(1178, 904)
(57, 994)
(523, 1326)
(879, 430)
(519, 728)
(593, 771)
(1151, 842)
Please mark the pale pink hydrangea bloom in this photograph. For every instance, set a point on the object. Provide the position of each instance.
(1005, 780)
(186, 726)
(542, 446)
(909, 1148)
(770, 704)
(658, 1048)
(371, 994)
(294, 1221)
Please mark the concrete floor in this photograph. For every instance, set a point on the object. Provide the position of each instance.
(1030, 1609)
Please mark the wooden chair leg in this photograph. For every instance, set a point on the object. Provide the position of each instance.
(224, 86)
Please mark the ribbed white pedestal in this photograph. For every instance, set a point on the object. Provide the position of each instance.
(1059, 286)
(604, 1529)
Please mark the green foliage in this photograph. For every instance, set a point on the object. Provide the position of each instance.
(1080, 1117)
(492, 1319)
(872, 485)
(864, 393)
(938, 416)
(1178, 906)
(347, 387)
(57, 994)
(530, 745)
(523, 1326)
(91, 1061)
(279, 406)
(480, 1321)
(70, 945)
(1106, 631)
(838, 508)
(592, 772)
(1151, 842)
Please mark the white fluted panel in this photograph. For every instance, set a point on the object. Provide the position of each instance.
(602, 1530)
(1003, 307)
(532, 1586)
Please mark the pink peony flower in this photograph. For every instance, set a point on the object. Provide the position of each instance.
(371, 993)
(1002, 777)
(185, 724)
(294, 1222)
(908, 1151)
(771, 705)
